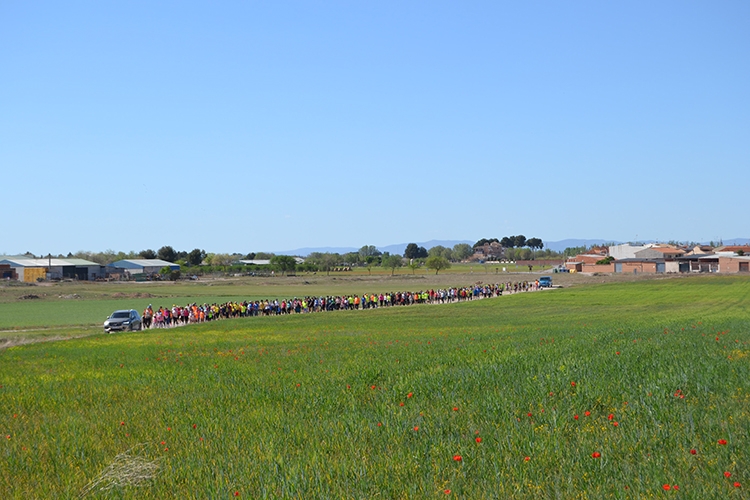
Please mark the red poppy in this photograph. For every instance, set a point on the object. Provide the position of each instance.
(722, 441)
(410, 395)
(727, 474)
(596, 454)
(573, 384)
(736, 485)
(194, 426)
(615, 424)
(455, 408)
(478, 440)
(447, 492)
(693, 452)
(401, 404)
(457, 458)
(416, 428)
(666, 487)
(676, 487)
(529, 414)
(527, 458)
(576, 417)
(587, 413)
(610, 417)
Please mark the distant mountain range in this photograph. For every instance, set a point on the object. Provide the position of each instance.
(557, 246)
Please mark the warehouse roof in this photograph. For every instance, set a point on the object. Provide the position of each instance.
(138, 263)
(26, 262)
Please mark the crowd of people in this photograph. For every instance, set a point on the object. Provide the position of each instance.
(165, 317)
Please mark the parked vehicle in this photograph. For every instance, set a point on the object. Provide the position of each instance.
(545, 281)
(127, 319)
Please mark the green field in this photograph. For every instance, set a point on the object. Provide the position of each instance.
(510, 397)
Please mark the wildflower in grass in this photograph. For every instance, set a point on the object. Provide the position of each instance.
(195, 426)
(455, 408)
(666, 487)
(576, 417)
(587, 413)
(401, 404)
(122, 423)
(573, 384)
(615, 424)
(596, 454)
(457, 458)
(727, 474)
(379, 424)
(526, 459)
(736, 485)
(409, 395)
(447, 492)
(478, 440)
(693, 452)
(722, 441)
(529, 414)
(610, 417)
(676, 487)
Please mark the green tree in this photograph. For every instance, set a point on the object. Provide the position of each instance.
(520, 241)
(462, 251)
(436, 251)
(412, 249)
(508, 242)
(413, 265)
(438, 263)
(221, 259)
(284, 263)
(148, 254)
(195, 257)
(368, 251)
(166, 253)
(392, 262)
(534, 243)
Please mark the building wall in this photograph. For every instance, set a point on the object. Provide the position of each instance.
(733, 265)
(598, 268)
(624, 251)
(639, 267)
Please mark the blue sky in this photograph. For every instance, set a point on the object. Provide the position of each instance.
(249, 126)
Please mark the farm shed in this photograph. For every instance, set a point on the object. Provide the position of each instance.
(140, 266)
(699, 263)
(31, 270)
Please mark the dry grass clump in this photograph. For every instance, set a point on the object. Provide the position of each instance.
(127, 469)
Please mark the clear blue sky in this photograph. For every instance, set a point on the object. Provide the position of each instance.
(249, 126)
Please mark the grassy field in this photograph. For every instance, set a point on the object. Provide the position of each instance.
(609, 390)
(88, 304)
